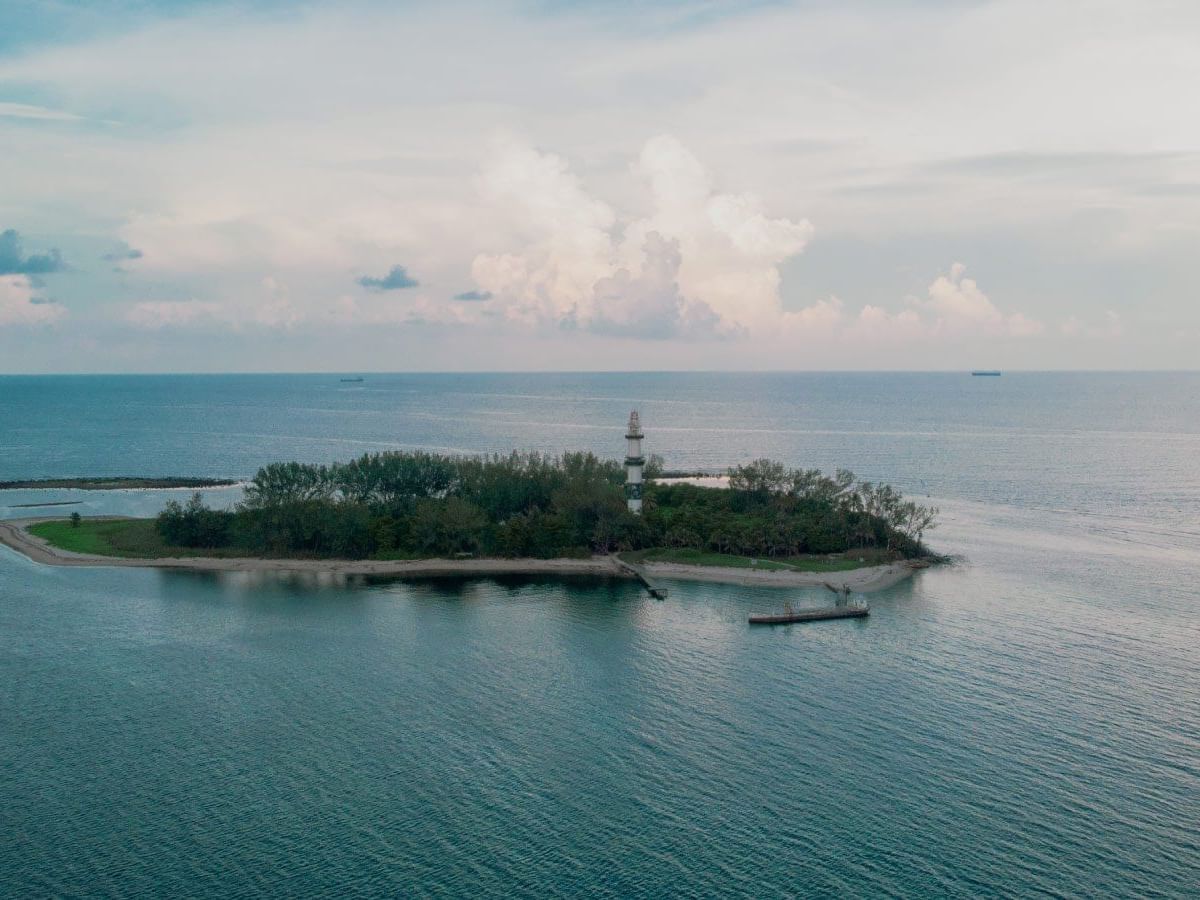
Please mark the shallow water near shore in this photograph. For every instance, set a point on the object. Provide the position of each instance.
(1025, 721)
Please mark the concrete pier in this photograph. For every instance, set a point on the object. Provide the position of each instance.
(655, 591)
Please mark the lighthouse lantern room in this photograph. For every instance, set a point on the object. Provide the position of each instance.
(634, 461)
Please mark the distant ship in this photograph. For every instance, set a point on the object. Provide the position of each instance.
(360, 379)
(991, 372)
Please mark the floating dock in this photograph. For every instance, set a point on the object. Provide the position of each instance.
(813, 615)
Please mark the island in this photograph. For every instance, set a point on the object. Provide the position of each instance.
(116, 483)
(419, 513)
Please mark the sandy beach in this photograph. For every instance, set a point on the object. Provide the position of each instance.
(864, 580)
(13, 534)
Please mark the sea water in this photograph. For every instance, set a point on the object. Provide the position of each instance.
(1023, 722)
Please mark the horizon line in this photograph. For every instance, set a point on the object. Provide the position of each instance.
(367, 372)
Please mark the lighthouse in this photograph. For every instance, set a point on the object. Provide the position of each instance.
(634, 461)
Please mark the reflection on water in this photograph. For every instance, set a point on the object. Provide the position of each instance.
(256, 581)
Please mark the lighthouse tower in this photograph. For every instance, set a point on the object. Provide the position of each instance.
(634, 461)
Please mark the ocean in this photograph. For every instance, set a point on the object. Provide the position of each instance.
(1023, 722)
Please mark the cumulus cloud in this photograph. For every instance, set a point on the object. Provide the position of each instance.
(395, 280)
(960, 307)
(874, 323)
(702, 264)
(822, 317)
(955, 307)
(19, 305)
(14, 262)
(649, 304)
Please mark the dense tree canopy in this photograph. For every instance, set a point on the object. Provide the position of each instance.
(529, 504)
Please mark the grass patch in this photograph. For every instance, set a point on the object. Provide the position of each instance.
(779, 564)
(139, 539)
(126, 538)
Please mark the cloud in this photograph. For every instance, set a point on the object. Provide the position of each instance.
(123, 253)
(350, 311)
(269, 307)
(1110, 327)
(13, 262)
(701, 264)
(960, 307)
(395, 280)
(731, 249)
(956, 308)
(20, 306)
(821, 317)
(158, 314)
(275, 309)
(787, 107)
(28, 111)
(474, 296)
(875, 324)
(649, 304)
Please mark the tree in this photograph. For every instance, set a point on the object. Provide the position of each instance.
(279, 484)
(532, 504)
(813, 484)
(505, 486)
(653, 468)
(763, 477)
(446, 527)
(194, 524)
(590, 508)
(76, 519)
(393, 480)
(913, 520)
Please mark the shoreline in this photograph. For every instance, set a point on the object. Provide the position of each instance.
(13, 534)
(862, 581)
(121, 483)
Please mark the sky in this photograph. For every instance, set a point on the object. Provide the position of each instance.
(696, 184)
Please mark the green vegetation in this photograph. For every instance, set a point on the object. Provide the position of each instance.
(129, 538)
(776, 512)
(104, 537)
(116, 483)
(420, 505)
